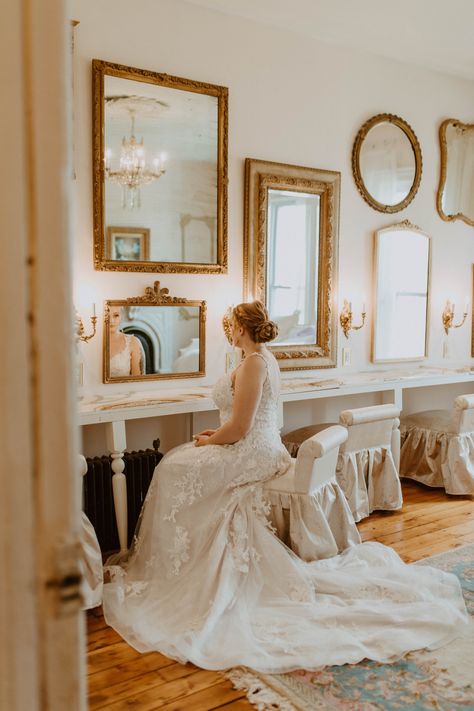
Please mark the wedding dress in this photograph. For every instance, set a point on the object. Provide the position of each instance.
(207, 581)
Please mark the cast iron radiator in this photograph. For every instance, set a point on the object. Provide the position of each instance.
(98, 502)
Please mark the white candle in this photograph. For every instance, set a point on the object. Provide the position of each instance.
(363, 307)
(93, 310)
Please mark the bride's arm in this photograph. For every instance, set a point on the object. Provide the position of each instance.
(249, 380)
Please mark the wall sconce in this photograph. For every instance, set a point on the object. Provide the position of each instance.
(345, 318)
(448, 316)
(80, 329)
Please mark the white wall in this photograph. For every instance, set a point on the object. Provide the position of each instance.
(293, 100)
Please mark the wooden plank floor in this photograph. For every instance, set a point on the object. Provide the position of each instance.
(121, 679)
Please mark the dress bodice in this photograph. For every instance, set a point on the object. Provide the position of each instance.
(266, 417)
(120, 363)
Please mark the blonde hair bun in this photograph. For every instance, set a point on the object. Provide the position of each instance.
(254, 318)
(266, 331)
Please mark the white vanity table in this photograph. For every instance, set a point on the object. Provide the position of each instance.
(115, 410)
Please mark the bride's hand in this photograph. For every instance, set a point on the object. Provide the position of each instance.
(200, 440)
(206, 433)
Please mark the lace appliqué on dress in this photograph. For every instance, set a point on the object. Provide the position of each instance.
(179, 553)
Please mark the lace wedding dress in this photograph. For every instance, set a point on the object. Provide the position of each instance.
(207, 581)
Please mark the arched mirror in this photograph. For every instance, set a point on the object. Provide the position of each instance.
(456, 186)
(402, 280)
(290, 257)
(386, 163)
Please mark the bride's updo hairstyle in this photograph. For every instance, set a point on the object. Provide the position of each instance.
(254, 318)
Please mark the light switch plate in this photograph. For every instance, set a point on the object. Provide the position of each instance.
(346, 357)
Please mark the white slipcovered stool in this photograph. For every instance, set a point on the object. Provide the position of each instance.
(308, 509)
(91, 558)
(367, 468)
(438, 447)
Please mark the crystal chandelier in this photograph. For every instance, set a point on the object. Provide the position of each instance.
(133, 171)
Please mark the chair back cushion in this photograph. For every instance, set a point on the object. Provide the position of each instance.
(317, 459)
(369, 426)
(463, 414)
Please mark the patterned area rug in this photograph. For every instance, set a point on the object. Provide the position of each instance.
(442, 679)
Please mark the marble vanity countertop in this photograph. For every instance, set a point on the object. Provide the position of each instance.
(133, 404)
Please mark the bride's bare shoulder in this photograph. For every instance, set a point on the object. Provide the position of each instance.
(253, 364)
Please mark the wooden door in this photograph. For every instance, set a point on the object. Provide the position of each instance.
(41, 638)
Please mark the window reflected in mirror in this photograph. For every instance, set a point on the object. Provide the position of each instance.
(290, 257)
(402, 265)
(292, 264)
(456, 190)
(147, 341)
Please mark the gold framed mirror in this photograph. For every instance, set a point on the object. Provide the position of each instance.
(291, 221)
(401, 293)
(387, 163)
(455, 199)
(159, 169)
(153, 337)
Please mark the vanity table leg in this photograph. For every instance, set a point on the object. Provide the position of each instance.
(116, 444)
(189, 427)
(393, 397)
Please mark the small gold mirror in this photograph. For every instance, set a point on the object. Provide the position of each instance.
(290, 257)
(160, 172)
(386, 163)
(402, 257)
(455, 200)
(155, 336)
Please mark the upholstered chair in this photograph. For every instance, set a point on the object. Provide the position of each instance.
(308, 508)
(90, 558)
(368, 463)
(438, 447)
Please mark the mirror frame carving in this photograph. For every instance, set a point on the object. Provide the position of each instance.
(472, 315)
(261, 175)
(155, 296)
(404, 225)
(356, 149)
(101, 68)
(443, 145)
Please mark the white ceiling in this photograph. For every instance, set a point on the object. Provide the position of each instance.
(438, 34)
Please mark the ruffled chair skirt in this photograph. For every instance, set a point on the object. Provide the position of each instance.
(370, 481)
(314, 526)
(91, 565)
(437, 458)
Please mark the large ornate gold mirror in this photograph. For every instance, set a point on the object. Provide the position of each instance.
(455, 200)
(160, 172)
(402, 255)
(290, 257)
(386, 163)
(155, 336)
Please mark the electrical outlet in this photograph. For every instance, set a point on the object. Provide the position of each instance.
(346, 357)
(230, 361)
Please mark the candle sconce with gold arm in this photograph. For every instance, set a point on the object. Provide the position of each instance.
(345, 318)
(80, 328)
(448, 316)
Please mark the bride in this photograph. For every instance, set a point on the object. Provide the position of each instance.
(207, 581)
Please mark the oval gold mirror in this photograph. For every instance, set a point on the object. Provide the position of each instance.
(386, 162)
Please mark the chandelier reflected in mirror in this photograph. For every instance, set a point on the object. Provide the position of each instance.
(133, 171)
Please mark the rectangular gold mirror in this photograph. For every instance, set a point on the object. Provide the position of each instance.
(402, 255)
(153, 337)
(160, 172)
(290, 257)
